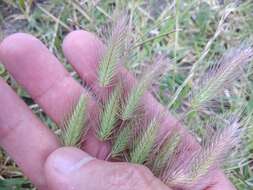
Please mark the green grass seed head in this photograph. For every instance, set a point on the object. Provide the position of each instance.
(136, 93)
(74, 127)
(122, 140)
(221, 75)
(115, 48)
(109, 115)
(165, 153)
(145, 144)
(211, 155)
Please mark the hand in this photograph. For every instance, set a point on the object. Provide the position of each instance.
(36, 149)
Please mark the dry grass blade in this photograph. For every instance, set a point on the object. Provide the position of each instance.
(211, 155)
(141, 87)
(165, 154)
(75, 127)
(221, 75)
(109, 115)
(115, 48)
(145, 144)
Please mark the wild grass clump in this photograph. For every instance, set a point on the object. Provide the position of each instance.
(134, 134)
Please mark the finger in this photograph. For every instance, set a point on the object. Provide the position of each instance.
(23, 136)
(40, 73)
(84, 50)
(70, 168)
(219, 181)
(47, 81)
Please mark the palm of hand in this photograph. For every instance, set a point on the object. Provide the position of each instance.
(37, 150)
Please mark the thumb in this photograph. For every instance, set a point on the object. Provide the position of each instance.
(72, 169)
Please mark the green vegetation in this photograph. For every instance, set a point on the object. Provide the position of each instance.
(75, 127)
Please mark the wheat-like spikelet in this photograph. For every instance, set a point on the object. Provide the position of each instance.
(122, 140)
(221, 75)
(165, 153)
(126, 134)
(74, 126)
(115, 48)
(109, 115)
(209, 157)
(180, 160)
(137, 91)
(145, 143)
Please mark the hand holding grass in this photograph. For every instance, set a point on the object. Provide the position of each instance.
(37, 150)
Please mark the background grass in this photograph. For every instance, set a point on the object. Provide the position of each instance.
(193, 33)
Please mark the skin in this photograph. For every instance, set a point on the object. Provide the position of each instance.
(37, 150)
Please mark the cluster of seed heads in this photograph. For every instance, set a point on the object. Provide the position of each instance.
(134, 137)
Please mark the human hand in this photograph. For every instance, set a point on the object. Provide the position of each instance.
(37, 150)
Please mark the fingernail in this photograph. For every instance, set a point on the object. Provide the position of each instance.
(67, 163)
